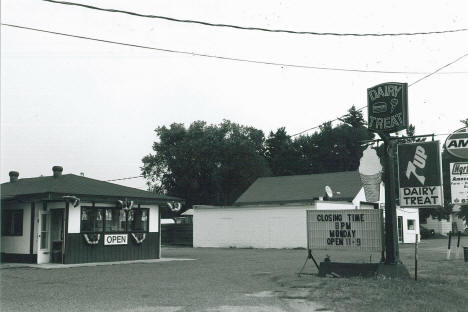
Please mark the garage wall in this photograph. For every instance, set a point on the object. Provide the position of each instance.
(250, 227)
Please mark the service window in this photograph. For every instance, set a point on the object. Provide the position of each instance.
(92, 220)
(115, 220)
(12, 222)
(410, 224)
(138, 220)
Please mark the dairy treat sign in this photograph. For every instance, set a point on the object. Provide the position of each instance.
(419, 175)
(387, 107)
(359, 229)
(459, 183)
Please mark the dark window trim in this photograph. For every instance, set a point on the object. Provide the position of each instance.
(104, 220)
(6, 214)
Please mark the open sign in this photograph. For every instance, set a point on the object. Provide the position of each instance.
(115, 239)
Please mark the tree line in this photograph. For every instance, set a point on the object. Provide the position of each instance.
(214, 164)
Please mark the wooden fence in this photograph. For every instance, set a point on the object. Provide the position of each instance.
(177, 234)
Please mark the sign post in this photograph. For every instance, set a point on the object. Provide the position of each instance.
(387, 106)
(392, 253)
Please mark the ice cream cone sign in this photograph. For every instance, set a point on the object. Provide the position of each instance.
(370, 171)
(328, 193)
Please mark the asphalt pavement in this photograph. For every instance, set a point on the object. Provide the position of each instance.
(215, 279)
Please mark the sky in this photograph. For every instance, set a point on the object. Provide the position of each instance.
(92, 107)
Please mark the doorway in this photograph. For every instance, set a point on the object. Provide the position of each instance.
(400, 229)
(43, 249)
(56, 235)
(51, 236)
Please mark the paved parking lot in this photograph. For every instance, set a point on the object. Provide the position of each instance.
(217, 280)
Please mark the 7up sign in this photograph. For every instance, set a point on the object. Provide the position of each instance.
(419, 175)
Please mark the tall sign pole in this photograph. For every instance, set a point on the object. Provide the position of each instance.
(391, 234)
(387, 106)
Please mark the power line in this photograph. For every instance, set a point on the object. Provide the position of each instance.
(361, 108)
(223, 57)
(128, 178)
(172, 19)
(437, 70)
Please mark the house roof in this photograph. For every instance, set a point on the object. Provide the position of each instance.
(70, 184)
(301, 188)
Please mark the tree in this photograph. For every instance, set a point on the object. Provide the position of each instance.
(282, 156)
(205, 164)
(334, 149)
(354, 118)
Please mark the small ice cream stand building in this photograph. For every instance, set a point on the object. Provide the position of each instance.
(67, 218)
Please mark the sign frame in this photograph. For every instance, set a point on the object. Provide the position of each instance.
(115, 241)
(409, 165)
(457, 134)
(387, 107)
(328, 221)
(463, 183)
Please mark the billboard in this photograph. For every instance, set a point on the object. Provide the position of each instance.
(359, 229)
(387, 107)
(459, 183)
(419, 175)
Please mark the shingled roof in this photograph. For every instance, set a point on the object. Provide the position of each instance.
(301, 188)
(70, 184)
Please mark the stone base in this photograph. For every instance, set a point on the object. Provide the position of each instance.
(338, 269)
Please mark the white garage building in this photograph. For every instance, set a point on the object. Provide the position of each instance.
(271, 212)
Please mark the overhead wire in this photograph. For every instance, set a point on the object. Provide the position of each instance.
(250, 61)
(315, 33)
(226, 58)
(127, 178)
(413, 83)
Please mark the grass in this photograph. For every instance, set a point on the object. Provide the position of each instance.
(442, 285)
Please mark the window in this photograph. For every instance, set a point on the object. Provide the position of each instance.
(115, 220)
(91, 220)
(138, 220)
(12, 222)
(410, 224)
(112, 220)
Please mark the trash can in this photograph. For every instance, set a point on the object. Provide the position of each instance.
(465, 252)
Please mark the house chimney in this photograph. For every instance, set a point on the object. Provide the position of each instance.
(57, 171)
(13, 176)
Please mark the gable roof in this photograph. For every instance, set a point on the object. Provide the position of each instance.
(71, 184)
(301, 188)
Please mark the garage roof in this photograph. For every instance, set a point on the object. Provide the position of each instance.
(301, 188)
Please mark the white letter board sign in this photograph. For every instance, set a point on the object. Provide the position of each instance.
(359, 229)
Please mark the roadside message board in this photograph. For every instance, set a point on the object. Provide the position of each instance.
(459, 183)
(359, 229)
(419, 175)
(457, 143)
(387, 107)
